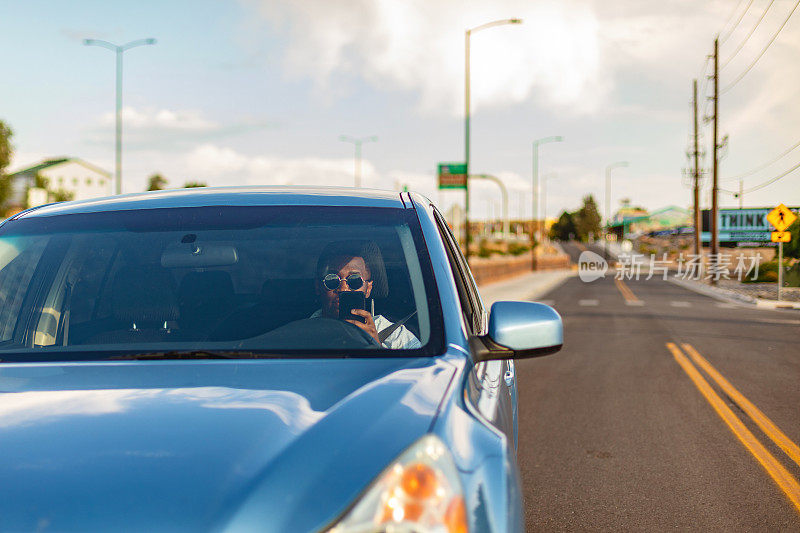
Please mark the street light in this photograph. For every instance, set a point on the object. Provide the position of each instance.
(467, 35)
(118, 50)
(357, 142)
(503, 195)
(534, 199)
(609, 168)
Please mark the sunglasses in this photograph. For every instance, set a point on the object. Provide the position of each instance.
(332, 281)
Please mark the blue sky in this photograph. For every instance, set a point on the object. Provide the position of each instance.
(258, 91)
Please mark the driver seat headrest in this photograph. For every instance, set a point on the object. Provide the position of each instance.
(144, 295)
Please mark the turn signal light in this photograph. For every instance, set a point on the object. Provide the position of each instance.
(420, 492)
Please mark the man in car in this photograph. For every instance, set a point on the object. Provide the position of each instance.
(348, 266)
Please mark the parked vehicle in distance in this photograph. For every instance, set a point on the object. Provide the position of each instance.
(255, 359)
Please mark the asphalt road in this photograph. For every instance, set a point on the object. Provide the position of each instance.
(615, 434)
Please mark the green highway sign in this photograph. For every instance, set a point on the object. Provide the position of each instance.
(452, 175)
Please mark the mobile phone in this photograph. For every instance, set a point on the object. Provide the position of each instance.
(350, 300)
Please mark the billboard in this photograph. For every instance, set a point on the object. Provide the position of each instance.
(740, 225)
(452, 175)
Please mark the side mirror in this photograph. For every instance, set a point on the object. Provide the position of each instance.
(519, 330)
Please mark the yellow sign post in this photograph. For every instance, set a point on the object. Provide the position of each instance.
(781, 217)
(781, 236)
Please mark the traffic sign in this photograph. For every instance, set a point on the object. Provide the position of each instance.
(781, 217)
(452, 175)
(781, 236)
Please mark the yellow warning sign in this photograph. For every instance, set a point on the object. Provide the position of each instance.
(781, 217)
(781, 236)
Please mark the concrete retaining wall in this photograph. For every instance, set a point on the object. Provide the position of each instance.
(488, 270)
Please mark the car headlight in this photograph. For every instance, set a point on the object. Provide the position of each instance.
(419, 492)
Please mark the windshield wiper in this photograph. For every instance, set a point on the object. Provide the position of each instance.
(192, 354)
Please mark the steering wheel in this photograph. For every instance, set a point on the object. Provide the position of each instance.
(318, 333)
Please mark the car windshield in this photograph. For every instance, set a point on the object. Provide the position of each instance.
(216, 281)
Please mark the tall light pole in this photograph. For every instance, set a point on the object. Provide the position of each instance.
(357, 142)
(467, 35)
(609, 168)
(118, 50)
(535, 198)
(503, 195)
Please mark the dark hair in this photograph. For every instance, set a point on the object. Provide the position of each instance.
(366, 249)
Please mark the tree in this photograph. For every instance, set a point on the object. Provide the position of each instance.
(5, 147)
(5, 159)
(792, 248)
(587, 219)
(564, 228)
(192, 184)
(156, 182)
(53, 195)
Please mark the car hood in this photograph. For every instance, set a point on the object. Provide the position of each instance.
(267, 445)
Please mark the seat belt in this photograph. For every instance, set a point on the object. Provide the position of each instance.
(386, 332)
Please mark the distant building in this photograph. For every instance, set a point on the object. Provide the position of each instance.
(627, 212)
(70, 175)
(629, 222)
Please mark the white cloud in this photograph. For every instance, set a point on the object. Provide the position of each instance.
(160, 119)
(419, 45)
(222, 165)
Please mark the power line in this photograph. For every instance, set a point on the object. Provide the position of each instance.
(730, 17)
(765, 165)
(741, 45)
(722, 39)
(775, 36)
(772, 180)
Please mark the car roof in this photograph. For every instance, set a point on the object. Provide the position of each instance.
(226, 196)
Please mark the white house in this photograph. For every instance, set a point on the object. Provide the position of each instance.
(68, 174)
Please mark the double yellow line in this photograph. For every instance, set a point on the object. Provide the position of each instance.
(626, 291)
(774, 468)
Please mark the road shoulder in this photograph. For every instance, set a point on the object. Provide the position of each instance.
(526, 287)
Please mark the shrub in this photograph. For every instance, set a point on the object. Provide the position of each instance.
(516, 248)
(767, 273)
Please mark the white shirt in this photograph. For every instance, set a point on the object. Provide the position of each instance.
(400, 339)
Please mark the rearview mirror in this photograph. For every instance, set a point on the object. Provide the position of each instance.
(519, 330)
(197, 255)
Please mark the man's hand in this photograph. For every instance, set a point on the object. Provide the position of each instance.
(369, 326)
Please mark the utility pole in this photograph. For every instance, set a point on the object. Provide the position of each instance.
(715, 186)
(466, 145)
(698, 250)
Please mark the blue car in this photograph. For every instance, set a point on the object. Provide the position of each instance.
(255, 359)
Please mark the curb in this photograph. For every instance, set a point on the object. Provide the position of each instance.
(726, 295)
(730, 296)
(775, 304)
(493, 292)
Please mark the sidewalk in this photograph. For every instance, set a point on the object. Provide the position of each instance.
(759, 294)
(530, 286)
